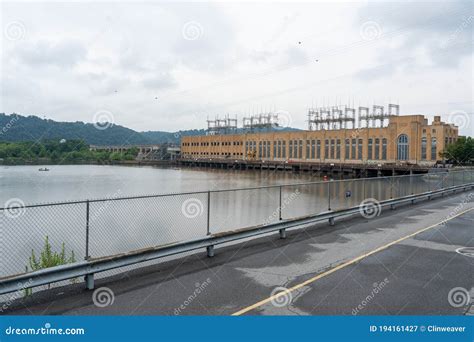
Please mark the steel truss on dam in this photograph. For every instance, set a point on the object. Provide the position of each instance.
(112, 233)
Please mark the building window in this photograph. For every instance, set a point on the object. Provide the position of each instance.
(260, 149)
(402, 147)
(384, 149)
(353, 149)
(377, 149)
(359, 149)
(300, 149)
(308, 146)
(326, 149)
(295, 149)
(369, 149)
(433, 148)
(279, 149)
(283, 149)
(332, 148)
(291, 149)
(313, 148)
(318, 149)
(268, 149)
(346, 150)
(423, 148)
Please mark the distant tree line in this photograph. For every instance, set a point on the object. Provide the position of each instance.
(58, 151)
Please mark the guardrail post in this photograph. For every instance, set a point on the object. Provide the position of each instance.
(282, 233)
(210, 251)
(279, 206)
(89, 279)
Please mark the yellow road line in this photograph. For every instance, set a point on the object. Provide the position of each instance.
(337, 268)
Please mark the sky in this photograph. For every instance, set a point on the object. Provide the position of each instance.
(170, 66)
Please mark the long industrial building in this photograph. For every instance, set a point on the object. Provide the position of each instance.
(398, 139)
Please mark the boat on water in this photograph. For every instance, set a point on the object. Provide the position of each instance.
(43, 169)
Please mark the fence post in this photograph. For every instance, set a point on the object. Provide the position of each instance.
(392, 178)
(363, 189)
(279, 206)
(209, 249)
(87, 230)
(329, 195)
(88, 278)
(209, 213)
(331, 219)
(391, 187)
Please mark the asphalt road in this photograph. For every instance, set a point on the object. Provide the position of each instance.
(359, 266)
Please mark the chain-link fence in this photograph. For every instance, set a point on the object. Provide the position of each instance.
(99, 228)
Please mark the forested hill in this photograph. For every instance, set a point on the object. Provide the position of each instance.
(16, 128)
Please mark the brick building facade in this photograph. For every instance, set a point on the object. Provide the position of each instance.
(406, 139)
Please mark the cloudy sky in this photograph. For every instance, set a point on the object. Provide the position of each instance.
(170, 66)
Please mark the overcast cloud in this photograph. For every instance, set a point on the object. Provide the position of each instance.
(169, 66)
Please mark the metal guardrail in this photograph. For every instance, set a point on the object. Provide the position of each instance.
(91, 265)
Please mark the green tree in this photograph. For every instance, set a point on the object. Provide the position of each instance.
(461, 152)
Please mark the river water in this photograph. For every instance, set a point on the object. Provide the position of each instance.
(129, 224)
